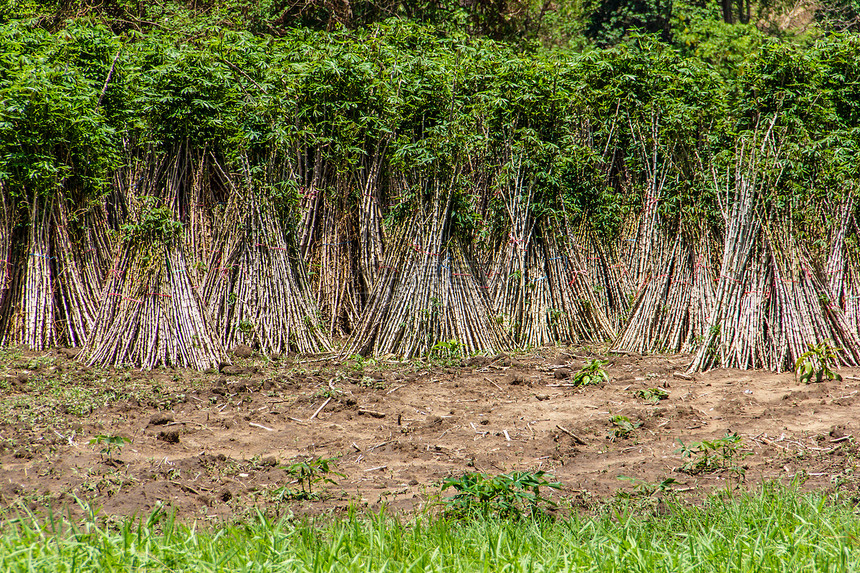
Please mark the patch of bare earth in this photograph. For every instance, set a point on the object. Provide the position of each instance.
(214, 446)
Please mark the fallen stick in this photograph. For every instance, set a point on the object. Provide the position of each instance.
(261, 426)
(507, 437)
(319, 409)
(576, 438)
(185, 488)
(376, 468)
(371, 413)
(493, 383)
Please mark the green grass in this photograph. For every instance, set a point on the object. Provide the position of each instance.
(775, 529)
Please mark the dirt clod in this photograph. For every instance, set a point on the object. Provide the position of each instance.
(169, 436)
(233, 370)
(243, 351)
(160, 418)
(837, 432)
(516, 379)
(561, 373)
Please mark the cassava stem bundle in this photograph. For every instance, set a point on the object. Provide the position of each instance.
(151, 313)
(254, 294)
(429, 294)
(52, 277)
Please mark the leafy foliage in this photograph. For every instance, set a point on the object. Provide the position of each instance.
(652, 395)
(815, 364)
(111, 445)
(308, 474)
(591, 373)
(622, 427)
(54, 134)
(155, 223)
(512, 495)
(708, 456)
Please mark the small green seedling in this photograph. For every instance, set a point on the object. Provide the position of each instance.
(447, 349)
(817, 363)
(111, 445)
(368, 382)
(648, 489)
(308, 473)
(622, 427)
(506, 495)
(592, 373)
(708, 456)
(652, 395)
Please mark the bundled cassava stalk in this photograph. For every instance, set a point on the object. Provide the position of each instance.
(29, 314)
(673, 300)
(781, 310)
(605, 275)
(841, 270)
(334, 276)
(570, 309)
(771, 304)
(150, 313)
(800, 312)
(370, 235)
(206, 198)
(543, 296)
(79, 254)
(331, 212)
(673, 308)
(195, 187)
(53, 275)
(741, 235)
(849, 297)
(536, 284)
(255, 295)
(430, 295)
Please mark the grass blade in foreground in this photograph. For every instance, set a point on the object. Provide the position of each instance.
(773, 530)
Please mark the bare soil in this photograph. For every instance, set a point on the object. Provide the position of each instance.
(214, 446)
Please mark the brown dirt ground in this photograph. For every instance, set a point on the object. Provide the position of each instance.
(213, 446)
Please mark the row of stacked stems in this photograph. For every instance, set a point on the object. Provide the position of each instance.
(203, 260)
(401, 194)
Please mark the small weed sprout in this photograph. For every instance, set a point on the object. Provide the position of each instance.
(371, 383)
(648, 489)
(709, 456)
(652, 395)
(817, 363)
(327, 393)
(622, 427)
(111, 446)
(447, 349)
(510, 495)
(308, 473)
(592, 373)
